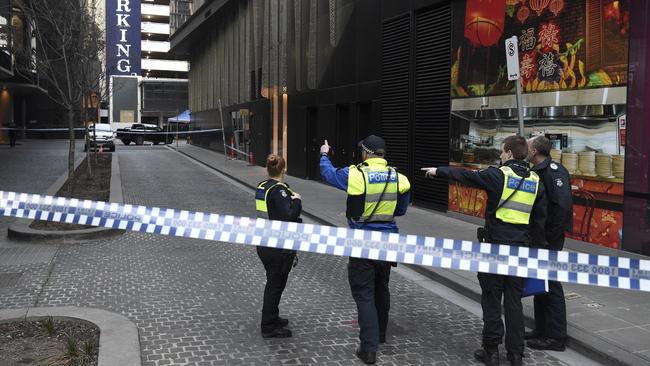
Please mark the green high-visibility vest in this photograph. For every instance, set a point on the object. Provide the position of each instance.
(518, 208)
(261, 194)
(366, 183)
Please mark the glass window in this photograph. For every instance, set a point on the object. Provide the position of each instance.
(19, 33)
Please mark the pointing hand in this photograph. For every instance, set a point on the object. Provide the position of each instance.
(325, 149)
(429, 172)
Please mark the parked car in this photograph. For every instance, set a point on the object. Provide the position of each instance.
(141, 132)
(100, 134)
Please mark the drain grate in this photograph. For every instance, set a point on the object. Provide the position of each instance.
(8, 280)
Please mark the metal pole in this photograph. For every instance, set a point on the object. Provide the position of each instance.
(223, 132)
(520, 109)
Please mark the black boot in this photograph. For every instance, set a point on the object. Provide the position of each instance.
(547, 344)
(532, 335)
(368, 358)
(277, 333)
(282, 322)
(488, 357)
(516, 359)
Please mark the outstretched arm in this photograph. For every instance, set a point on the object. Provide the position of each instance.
(332, 175)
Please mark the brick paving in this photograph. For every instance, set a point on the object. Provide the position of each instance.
(198, 302)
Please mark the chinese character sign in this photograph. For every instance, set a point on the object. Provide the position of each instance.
(556, 50)
(123, 39)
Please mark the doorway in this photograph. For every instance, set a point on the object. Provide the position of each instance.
(346, 137)
(259, 136)
(313, 144)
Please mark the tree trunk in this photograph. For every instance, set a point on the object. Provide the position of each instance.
(70, 151)
(88, 145)
(87, 142)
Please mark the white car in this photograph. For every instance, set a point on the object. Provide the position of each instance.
(100, 134)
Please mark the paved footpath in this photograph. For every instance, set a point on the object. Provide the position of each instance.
(198, 302)
(31, 167)
(612, 324)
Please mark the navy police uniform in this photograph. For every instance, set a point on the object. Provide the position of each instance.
(496, 288)
(376, 193)
(550, 308)
(274, 202)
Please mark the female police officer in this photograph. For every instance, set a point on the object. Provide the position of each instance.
(275, 201)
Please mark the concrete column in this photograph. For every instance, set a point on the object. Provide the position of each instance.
(6, 112)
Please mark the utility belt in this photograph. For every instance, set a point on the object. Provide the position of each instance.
(483, 236)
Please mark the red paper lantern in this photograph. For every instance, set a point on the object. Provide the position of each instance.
(556, 6)
(484, 21)
(539, 5)
(523, 14)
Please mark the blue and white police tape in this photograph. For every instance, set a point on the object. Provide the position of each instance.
(42, 129)
(587, 269)
(174, 133)
(135, 132)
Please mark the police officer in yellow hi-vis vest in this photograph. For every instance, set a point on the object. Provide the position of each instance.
(515, 215)
(274, 200)
(376, 194)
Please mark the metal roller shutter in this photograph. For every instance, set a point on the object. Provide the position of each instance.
(432, 102)
(395, 91)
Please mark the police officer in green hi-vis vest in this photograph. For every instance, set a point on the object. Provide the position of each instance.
(376, 194)
(515, 215)
(274, 200)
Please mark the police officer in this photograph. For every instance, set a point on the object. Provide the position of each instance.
(12, 134)
(550, 308)
(515, 215)
(376, 194)
(274, 200)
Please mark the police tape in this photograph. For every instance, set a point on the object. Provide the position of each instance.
(120, 132)
(580, 268)
(42, 129)
(174, 133)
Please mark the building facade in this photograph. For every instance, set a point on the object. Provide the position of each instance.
(23, 98)
(294, 73)
(429, 76)
(145, 82)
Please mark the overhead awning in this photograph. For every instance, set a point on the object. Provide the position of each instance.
(597, 96)
(586, 104)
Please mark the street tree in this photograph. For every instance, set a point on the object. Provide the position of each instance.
(63, 57)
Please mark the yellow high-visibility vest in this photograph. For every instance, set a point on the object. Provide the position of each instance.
(261, 194)
(518, 208)
(366, 182)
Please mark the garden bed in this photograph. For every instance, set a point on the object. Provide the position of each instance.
(84, 187)
(49, 342)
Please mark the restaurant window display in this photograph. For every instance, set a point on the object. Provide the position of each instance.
(573, 66)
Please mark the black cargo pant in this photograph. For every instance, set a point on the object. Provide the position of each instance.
(550, 308)
(550, 312)
(278, 263)
(495, 289)
(369, 285)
